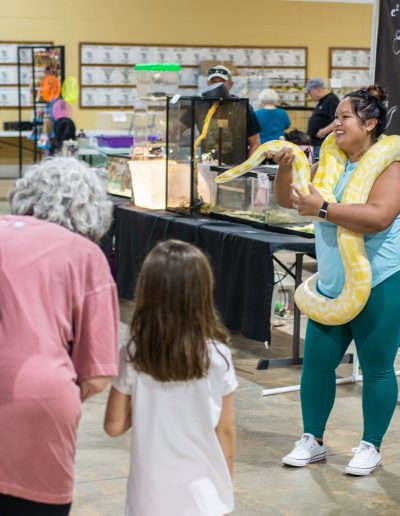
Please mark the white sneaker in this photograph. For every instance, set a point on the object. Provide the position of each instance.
(365, 459)
(305, 451)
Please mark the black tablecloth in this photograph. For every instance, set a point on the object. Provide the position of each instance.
(241, 258)
(107, 241)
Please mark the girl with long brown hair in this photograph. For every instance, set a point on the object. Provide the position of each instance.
(174, 388)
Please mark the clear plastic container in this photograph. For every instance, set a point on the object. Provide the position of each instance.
(148, 183)
(155, 81)
(116, 122)
(149, 128)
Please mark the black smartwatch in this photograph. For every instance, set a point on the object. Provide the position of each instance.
(323, 211)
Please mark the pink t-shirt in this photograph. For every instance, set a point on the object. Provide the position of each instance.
(58, 326)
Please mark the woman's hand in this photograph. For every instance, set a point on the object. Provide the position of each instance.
(283, 180)
(306, 204)
(284, 158)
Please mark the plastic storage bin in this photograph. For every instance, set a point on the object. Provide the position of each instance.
(155, 81)
(115, 141)
(148, 183)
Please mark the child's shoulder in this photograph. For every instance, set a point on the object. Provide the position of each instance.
(222, 369)
(126, 350)
(219, 345)
(219, 351)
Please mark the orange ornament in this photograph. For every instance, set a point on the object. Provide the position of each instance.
(50, 88)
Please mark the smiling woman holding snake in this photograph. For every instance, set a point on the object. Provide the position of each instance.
(360, 120)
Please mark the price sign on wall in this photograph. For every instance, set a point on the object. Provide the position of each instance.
(106, 66)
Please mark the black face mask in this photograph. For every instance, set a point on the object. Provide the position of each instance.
(216, 91)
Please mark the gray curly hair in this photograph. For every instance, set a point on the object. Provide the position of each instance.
(268, 96)
(65, 191)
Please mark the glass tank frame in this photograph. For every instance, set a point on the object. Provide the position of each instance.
(250, 199)
(201, 132)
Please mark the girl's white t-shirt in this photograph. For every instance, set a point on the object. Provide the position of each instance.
(177, 466)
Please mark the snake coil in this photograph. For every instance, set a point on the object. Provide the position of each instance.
(357, 270)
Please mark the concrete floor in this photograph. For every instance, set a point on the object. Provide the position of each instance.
(267, 428)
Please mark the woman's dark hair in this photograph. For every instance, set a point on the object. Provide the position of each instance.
(174, 314)
(64, 130)
(298, 137)
(370, 103)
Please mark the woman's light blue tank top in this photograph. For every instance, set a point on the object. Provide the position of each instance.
(383, 248)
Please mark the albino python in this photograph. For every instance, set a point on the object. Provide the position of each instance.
(357, 269)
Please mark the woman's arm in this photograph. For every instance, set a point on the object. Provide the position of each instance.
(117, 419)
(324, 131)
(377, 214)
(93, 386)
(226, 431)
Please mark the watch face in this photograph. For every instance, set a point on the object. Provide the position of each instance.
(323, 211)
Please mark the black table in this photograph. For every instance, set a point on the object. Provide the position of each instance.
(241, 257)
(107, 241)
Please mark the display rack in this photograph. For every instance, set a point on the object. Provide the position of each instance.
(284, 69)
(41, 59)
(348, 68)
(9, 73)
(107, 80)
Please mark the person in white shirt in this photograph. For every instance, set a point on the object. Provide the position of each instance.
(174, 388)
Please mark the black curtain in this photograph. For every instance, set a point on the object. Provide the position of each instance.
(387, 63)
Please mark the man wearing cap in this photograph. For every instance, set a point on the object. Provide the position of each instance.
(322, 119)
(220, 73)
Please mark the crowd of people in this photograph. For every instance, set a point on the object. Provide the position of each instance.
(174, 381)
(58, 336)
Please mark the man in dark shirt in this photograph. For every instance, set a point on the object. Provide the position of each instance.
(231, 135)
(322, 119)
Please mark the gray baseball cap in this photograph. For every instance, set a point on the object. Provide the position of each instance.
(315, 82)
(219, 71)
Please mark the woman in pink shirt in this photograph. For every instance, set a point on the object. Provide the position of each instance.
(58, 330)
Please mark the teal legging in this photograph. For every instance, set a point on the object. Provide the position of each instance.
(376, 333)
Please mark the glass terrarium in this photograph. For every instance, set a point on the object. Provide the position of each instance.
(158, 80)
(202, 132)
(250, 198)
(119, 176)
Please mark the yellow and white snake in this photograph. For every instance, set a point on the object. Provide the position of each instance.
(357, 269)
